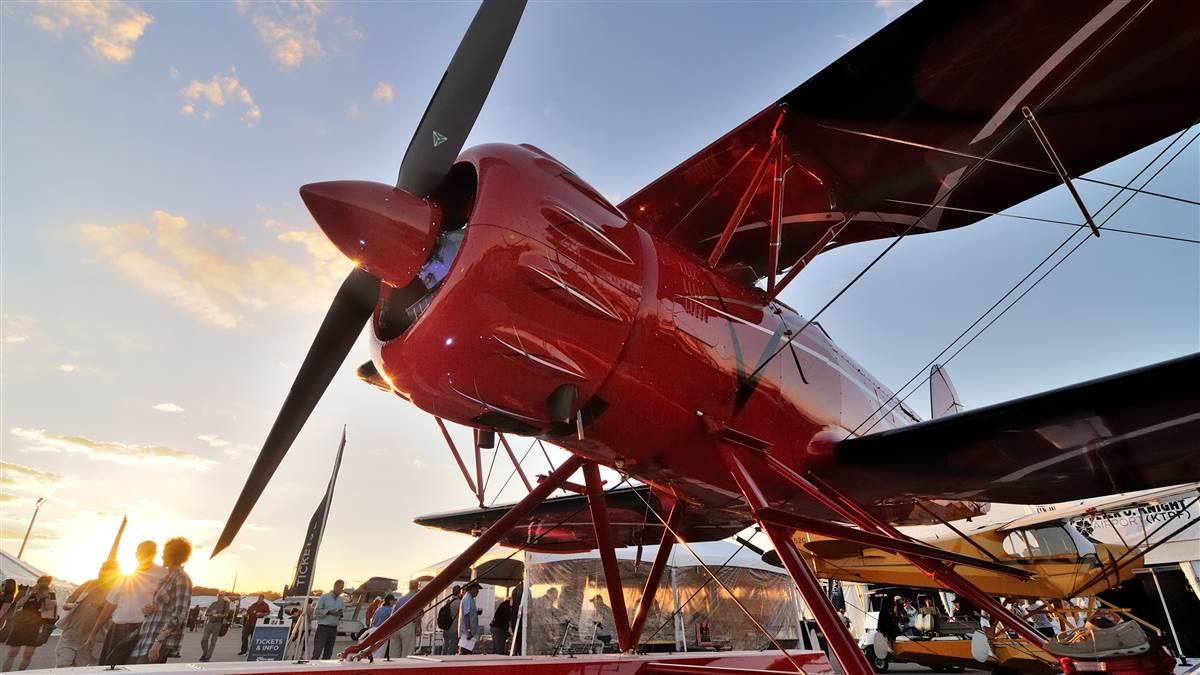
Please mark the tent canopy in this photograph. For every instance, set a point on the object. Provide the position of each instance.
(13, 568)
(25, 574)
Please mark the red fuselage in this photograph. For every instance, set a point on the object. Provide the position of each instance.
(552, 286)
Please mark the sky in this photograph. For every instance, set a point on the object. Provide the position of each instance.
(161, 279)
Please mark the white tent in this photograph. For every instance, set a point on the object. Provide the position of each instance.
(25, 574)
(13, 568)
(688, 608)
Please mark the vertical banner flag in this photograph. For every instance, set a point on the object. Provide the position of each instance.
(302, 583)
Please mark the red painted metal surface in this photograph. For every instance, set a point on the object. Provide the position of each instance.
(748, 192)
(942, 572)
(515, 462)
(608, 555)
(462, 466)
(388, 232)
(429, 592)
(552, 287)
(841, 642)
(665, 545)
(554, 294)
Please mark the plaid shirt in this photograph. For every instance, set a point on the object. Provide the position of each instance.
(171, 601)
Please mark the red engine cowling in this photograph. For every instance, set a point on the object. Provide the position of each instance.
(534, 308)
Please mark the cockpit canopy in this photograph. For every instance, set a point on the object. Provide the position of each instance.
(1055, 541)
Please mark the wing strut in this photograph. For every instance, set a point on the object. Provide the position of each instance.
(1058, 166)
(490, 537)
(938, 566)
(841, 642)
(608, 554)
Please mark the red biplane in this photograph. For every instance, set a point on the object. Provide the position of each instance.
(506, 294)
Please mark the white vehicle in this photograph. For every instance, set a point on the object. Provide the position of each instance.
(351, 624)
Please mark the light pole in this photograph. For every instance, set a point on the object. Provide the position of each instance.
(37, 507)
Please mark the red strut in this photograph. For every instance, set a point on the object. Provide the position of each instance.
(429, 592)
(841, 642)
(608, 555)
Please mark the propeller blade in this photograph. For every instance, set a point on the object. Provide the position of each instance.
(459, 97)
(350, 311)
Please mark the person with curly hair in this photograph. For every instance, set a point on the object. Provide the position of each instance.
(158, 638)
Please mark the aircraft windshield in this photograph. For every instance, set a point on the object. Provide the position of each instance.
(1045, 542)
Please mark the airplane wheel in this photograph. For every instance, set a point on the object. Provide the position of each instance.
(880, 665)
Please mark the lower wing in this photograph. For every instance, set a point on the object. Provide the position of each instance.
(1132, 431)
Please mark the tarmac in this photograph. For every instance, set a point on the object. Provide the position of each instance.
(189, 649)
(227, 651)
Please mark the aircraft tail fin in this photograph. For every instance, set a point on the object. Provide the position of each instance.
(943, 399)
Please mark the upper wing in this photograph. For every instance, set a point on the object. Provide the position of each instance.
(897, 121)
(564, 524)
(1133, 431)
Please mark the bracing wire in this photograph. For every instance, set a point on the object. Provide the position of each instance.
(970, 171)
(712, 575)
(513, 474)
(1021, 282)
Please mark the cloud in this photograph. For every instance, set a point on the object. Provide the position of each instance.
(114, 26)
(355, 112)
(288, 30)
(215, 287)
(168, 407)
(110, 451)
(17, 534)
(19, 475)
(173, 73)
(216, 92)
(65, 367)
(383, 93)
(848, 40)
(894, 7)
(213, 440)
(231, 449)
(18, 328)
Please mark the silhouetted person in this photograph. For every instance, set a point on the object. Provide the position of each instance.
(76, 646)
(166, 613)
(33, 609)
(330, 608)
(501, 626)
(126, 604)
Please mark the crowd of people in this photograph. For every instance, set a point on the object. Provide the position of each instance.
(899, 615)
(111, 620)
(458, 619)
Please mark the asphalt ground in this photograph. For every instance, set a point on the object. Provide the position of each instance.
(228, 647)
(226, 650)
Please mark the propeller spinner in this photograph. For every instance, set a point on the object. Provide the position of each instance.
(387, 231)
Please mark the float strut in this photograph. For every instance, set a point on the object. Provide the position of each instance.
(940, 571)
(608, 554)
(665, 545)
(451, 572)
(845, 649)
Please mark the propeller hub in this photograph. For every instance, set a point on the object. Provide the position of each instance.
(385, 231)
